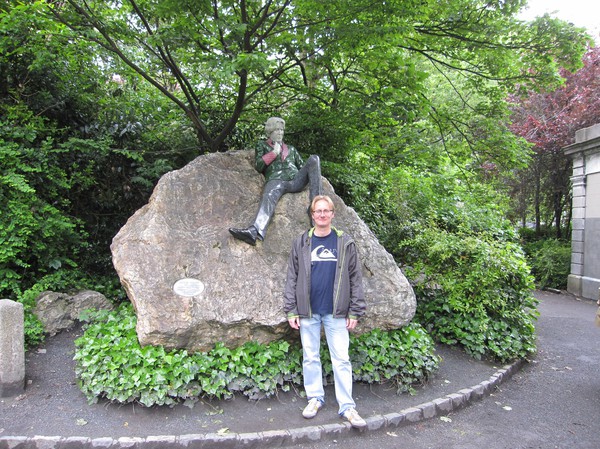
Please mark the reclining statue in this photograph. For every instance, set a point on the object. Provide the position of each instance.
(284, 172)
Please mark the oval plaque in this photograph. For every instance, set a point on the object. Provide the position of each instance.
(188, 287)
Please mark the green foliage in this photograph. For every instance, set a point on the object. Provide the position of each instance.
(216, 62)
(404, 356)
(111, 364)
(474, 291)
(469, 273)
(73, 159)
(41, 108)
(550, 262)
(57, 214)
(417, 199)
(34, 329)
(36, 237)
(403, 101)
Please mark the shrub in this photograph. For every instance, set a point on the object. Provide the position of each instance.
(36, 237)
(111, 364)
(550, 262)
(476, 292)
(403, 356)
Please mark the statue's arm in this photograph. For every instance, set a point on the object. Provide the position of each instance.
(297, 158)
(264, 156)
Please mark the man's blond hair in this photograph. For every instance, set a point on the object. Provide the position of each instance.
(321, 198)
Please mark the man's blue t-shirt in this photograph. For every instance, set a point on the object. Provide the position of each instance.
(323, 260)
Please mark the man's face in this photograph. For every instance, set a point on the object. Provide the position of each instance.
(321, 214)
(277, 135)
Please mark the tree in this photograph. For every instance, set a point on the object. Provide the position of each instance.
(549, 120)
(216, 60)
(369, 86)
(74, 163)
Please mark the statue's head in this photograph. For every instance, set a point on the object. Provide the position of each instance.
(274, 123)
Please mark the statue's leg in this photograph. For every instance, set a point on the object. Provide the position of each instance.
(309, 174)
(271, 194)
(314, 176)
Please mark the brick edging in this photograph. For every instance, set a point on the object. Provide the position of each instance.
(275, 438)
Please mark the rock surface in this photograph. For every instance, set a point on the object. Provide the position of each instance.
(60, 311)
(234, 291)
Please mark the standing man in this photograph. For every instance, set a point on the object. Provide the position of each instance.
(284, 172)
(324, 288)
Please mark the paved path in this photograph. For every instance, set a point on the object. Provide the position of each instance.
(553, 402)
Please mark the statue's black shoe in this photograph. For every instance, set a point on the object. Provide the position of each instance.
(247, 235)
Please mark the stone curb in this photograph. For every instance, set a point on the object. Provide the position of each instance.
(274, 438)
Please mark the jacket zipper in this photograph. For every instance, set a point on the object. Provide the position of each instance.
(339, 283)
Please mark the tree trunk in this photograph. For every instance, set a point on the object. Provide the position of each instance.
(569, 215)
(538, 225)
(558, 214)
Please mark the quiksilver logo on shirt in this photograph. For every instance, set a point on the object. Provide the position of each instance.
(322, 254)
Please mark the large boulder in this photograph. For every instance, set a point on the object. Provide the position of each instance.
(192, 284)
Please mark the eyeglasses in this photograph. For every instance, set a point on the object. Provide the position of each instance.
(322, 212)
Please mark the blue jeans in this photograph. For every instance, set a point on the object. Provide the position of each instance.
(338, 342)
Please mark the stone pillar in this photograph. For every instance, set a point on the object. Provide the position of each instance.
(584, 279)
(12, 348)
(578, 226)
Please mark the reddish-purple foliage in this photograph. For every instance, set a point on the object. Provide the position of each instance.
(549, 120)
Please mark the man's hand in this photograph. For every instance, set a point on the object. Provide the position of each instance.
(350, 323)
(276, 148)
(294, 322)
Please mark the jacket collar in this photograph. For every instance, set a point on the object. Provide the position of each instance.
(284, 148)
(338, 232)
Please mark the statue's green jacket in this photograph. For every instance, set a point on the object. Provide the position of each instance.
(283, 166)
